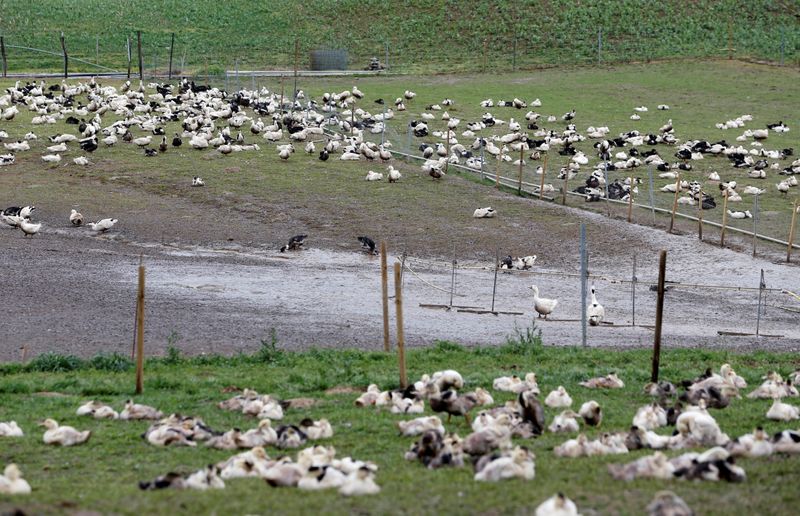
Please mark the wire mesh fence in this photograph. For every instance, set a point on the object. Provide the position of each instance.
(519, 49)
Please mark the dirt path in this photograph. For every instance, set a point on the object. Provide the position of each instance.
(72, 292)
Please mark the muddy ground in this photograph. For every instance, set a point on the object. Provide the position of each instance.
(216, 283)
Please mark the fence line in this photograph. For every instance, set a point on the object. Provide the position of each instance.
(514, 184)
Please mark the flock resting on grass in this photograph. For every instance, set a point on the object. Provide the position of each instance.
(488, 446)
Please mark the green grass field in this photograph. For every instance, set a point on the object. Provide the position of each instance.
(439, 36)
(102, 475)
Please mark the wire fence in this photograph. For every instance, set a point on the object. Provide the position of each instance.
(164, 54)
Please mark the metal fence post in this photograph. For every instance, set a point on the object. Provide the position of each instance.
(584, 273)
(599, 44)
(755, 222)
(386, 62)
(761, 287)
(3, 55)
(652, 187)
(783, 44)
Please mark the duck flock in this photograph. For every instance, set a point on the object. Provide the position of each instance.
(102, 117)
(708, 454)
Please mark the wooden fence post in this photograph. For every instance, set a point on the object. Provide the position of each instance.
(544, 172)
(3, 55)
(140, 331)
(385, 296)
(171, 48)
(700, 216)
(630, 198)
(139, 49)
(521, 156)
(566, 181)
(675, 203)
(66, 57)
(662, 268)
(791, 231)
(724, 218)
(401, 345)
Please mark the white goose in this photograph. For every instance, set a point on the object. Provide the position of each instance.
(596, 312)
(543, 306)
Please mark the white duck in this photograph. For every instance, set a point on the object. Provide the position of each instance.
(558, 505)
(780, 411)
(75, 218)
(420, 425)
(360, 482)
(103, 225)
(28, 228)
(566, 422)
(11, 481)
(596, 312)
(484, 213)
(394, 174)
(10, 429)
(543, 306)
(63, 435)
(558, 398)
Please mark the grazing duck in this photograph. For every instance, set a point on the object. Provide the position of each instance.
(75, 218)
(63, 435)
(315, 430)
(295, 243)
(28, 228)
(204, 479)
(650, 417)
(420, 425)
(531, 411)
(591, 413)
(484, 213)
(360, 482)
(740, 214)
(11, 481)
(450, 402)
(135, 411)
(543, 306)
(144, 141)
(558, 398)
(394, 174)
(596, 312)
(517, 464)
(103, 225)
(667, 503)
(177, 141)
(558, 505)
(162, 147)
(610, 381)
(368, 244)
(565, 422)
(780, 411)
(97, 410)
(10, 429)
(262, 435)
(787, 441)
(290, 436)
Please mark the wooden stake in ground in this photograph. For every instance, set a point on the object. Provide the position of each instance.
(497, 174)
(662, 269)
(700, 215)
(385, 297)
(791, 231)
(521, 156)
(139, 49)
(3, 56)
(544, 172)
(171, 48)
(401, 345)
(675, 203)
(66, 57)
(140, 331)
(447, 143)
(724, 218)
(566, 180)
(630, 198)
